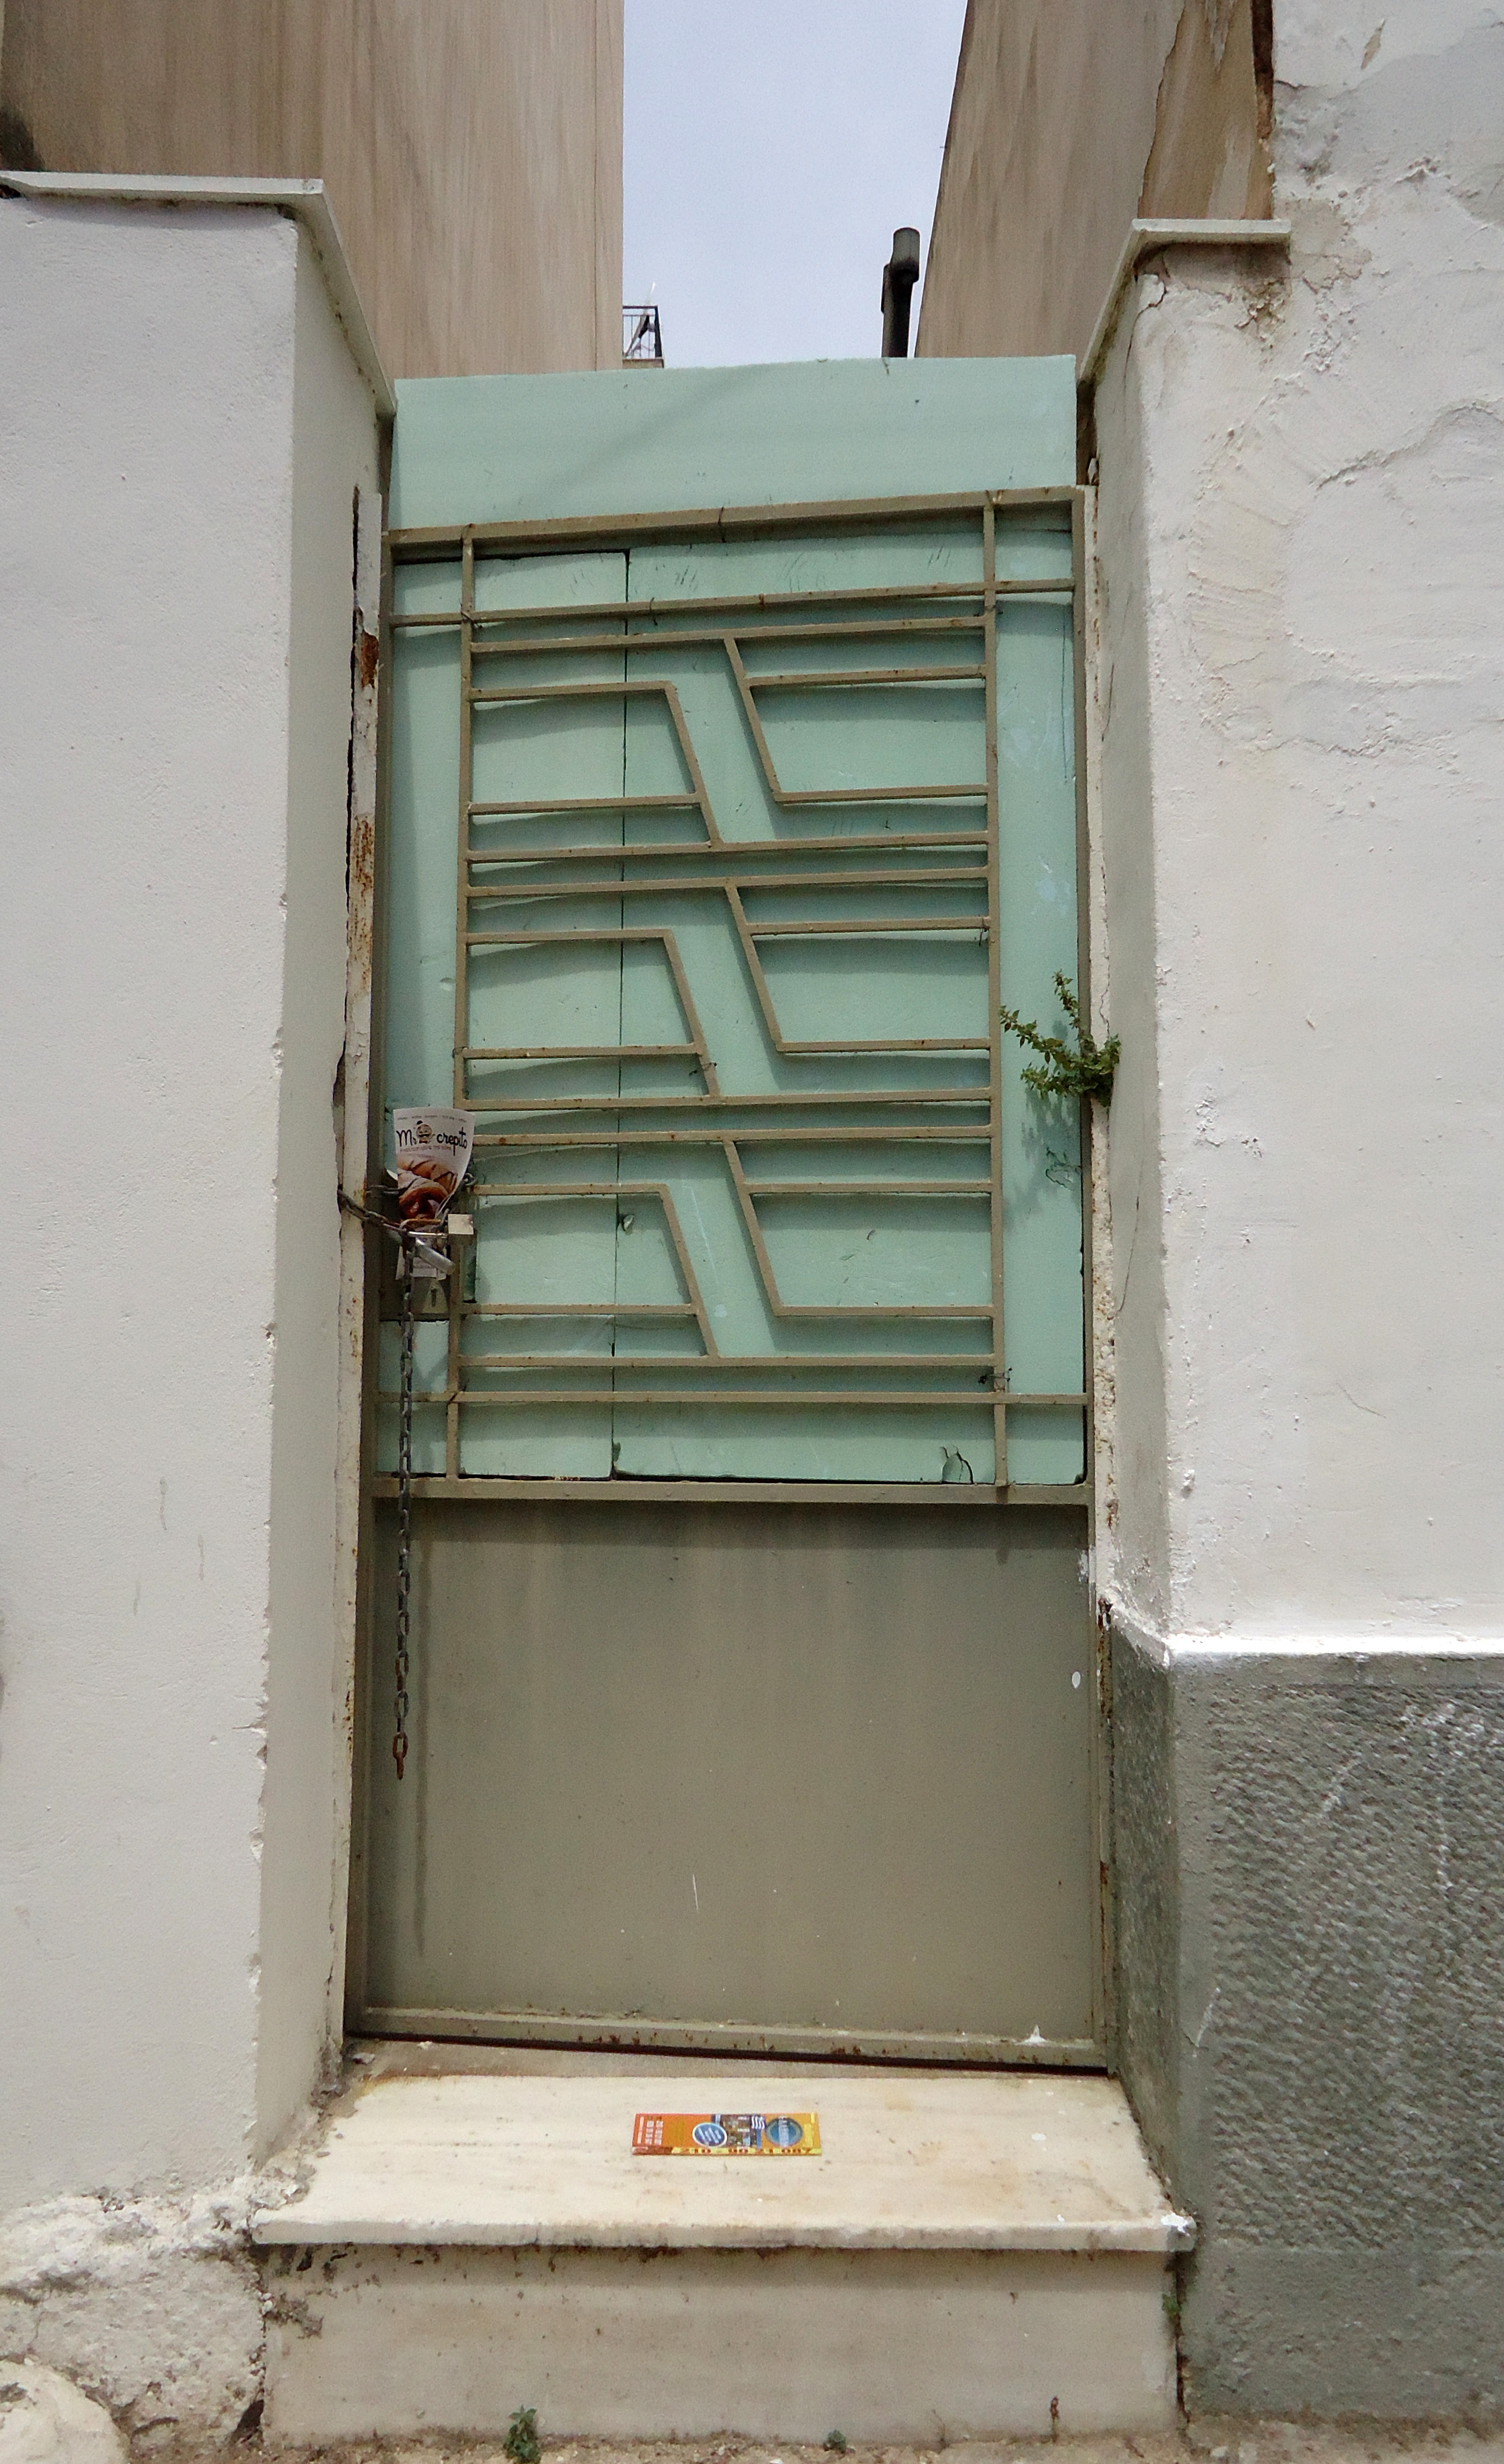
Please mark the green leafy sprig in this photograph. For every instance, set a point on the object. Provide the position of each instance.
(521, 2442)
(1087, 1069)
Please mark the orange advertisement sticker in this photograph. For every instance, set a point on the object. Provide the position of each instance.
(726, 2134)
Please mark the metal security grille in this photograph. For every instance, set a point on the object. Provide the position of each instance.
(749, 854)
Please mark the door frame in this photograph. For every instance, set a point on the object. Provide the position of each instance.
(368, 907)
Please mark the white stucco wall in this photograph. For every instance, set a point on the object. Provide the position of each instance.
(1301, 527)
(182, 430)
(303, 1881)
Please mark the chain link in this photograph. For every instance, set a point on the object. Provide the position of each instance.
(405, 1267)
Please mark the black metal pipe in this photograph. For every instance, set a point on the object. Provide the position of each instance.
(899, 277)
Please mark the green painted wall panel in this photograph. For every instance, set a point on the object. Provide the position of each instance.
(516, 449)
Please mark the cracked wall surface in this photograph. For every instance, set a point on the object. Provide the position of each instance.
(1301, 519)
(152, 2306)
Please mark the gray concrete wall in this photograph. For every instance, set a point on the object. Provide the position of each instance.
(1312, 2016)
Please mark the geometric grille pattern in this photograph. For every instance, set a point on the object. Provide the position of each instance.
(728, 969)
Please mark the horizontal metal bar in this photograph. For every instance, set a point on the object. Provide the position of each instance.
(577, 1052)
(603, 1189)
(942, 876)
(690, 1051)
(791, 797)
(490, 1488)
(797, 799)
(605, 1141)
(799, 1398)
(696, 850)
(717, 2036)
(577, 1308)
(668, 639)
(622, 803)
(747, 605)
(582, 689)
(804, 1051)
(870, 1188)
(699, 637)
(797, 680)
(973, 1097)
(973, 926)
(956, 1360)
(717, 522)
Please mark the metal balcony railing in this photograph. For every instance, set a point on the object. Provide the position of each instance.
(642, 335)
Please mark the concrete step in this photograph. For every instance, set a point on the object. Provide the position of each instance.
(970, 2256)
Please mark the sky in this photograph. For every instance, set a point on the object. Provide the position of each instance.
(771, 150)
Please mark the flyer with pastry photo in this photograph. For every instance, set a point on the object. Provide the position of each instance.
(433, 1154)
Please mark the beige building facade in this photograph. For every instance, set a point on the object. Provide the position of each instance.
(1066, 123)
(470, 150)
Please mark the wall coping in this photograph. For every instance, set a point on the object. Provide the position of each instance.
(1145, 238)
(305, 202)
(1375, 1651)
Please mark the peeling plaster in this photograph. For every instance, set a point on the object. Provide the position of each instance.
(153, 2306)
(1301, 505)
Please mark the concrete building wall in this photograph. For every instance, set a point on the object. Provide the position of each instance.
(1300, 680)
(185, 434)
(1298, 1549)
(471, 148)
(1068, 120)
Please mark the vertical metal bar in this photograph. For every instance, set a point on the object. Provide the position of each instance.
(995, 979)
(462, 900)
(1083, 948)
(359, 1161)
(369, 1600)
(402, 1668)
(462, 989)
(1103, 2011)
(615, 1443)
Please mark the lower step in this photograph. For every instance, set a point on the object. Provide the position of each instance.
(892, 2346)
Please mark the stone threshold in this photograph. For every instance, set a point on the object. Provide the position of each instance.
(499, 2155)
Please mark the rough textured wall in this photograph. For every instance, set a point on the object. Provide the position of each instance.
(1313, 2017)
(1146, 1852)
(1068, 118)
(1302, 477)
(471, 148)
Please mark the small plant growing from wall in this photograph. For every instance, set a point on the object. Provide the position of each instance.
(1086, 1069)
(522, 2441)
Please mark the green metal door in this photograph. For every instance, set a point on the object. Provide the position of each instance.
(715, 845)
